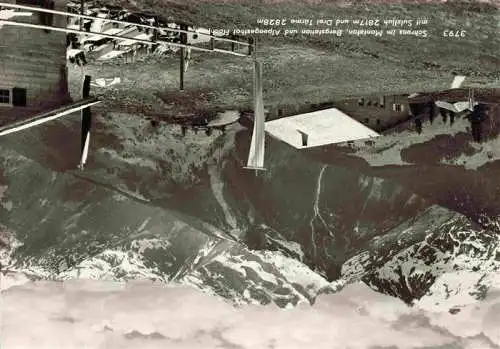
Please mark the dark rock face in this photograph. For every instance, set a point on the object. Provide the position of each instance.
(188, 211)
(410, 273)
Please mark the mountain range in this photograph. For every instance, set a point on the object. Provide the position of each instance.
(159, 205)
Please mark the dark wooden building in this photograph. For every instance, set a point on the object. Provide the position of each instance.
(33, 72)
(376, 112)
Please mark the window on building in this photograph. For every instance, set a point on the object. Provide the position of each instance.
(397, 107)
(4, 96)
(367, 120)
(361, 101)
(381, 102)
(19, 97)
(378, 121)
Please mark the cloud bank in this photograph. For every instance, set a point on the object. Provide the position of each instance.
(98, 314)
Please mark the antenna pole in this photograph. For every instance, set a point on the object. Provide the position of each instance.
(82, 12)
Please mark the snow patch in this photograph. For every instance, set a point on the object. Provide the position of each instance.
(131, 160)
(149, 244)
(113, 265)
(295, 271)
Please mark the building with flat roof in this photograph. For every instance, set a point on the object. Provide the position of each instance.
(318, 128)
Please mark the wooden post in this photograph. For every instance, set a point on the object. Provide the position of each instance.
(183, 55)
(181, 82)
(212, 41)
(86, 123)
(250, 46)
(49, 17)
(232, 42)
(86, 87)
(82, 12)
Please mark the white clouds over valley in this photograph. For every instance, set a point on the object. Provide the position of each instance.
(97, 314)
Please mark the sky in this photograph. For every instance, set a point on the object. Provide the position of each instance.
(99, 314)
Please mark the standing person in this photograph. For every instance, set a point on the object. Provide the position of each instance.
(188, 58)
(418, 125)
(134, 53)
(444, 114)
(87, 26)
(429, 112)
(82, 58)
(476, 118)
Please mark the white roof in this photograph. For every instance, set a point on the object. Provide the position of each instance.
(111, 54)
(106, 82)
(201, 38)
(464, 105)
(97, 25)
(456, 107)
(225, 118)
(457, 81)
(101, 47)
(132, 42)
(321, 127)
(111, 31)
(72, 52)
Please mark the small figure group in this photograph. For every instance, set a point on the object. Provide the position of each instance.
(78, 59)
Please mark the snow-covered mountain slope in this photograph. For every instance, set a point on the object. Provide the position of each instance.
(455, 265)
(258, 277)
(222, 269)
